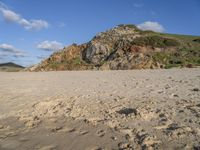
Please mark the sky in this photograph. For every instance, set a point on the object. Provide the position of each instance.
(31, 30)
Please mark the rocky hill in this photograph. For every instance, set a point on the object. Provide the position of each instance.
(126, 47)
(10, 67)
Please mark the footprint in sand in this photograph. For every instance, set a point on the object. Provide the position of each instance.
(147, 141)
(49, 147)
(124, 146)
(56, 129)
(175, 131)
(67, 130)
(84, 132)
(101, 133)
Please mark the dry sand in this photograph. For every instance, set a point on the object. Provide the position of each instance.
(94, 110)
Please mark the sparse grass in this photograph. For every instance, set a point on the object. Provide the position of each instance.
(10, 69)
(188, 48)
(169, 66)
(155, 41)
(180, 58)
(77, 61)
(161, 57)
(183, 39)
(128, 25)
(149, 32)
(72, 64)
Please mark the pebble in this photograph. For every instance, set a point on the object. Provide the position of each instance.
(195, 90)
(113, 138)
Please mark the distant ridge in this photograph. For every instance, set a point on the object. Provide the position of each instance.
(10, 67)
(10, 64)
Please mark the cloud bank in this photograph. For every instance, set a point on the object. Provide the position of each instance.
(7, 50)
(153, 26)
(13, 17)
(50, 45)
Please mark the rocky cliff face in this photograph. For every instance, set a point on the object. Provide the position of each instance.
(124, 47)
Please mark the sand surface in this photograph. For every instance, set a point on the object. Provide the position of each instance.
(96, 110)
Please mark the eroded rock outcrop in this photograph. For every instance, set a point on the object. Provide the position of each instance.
(121, 48)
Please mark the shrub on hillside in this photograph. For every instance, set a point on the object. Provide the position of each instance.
(197, 40)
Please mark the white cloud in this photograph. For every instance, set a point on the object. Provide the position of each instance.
(9, 50)
(12, 16)
(34, 24)
(50, 45)
(153, 26)
(137, 5)
(61, 25)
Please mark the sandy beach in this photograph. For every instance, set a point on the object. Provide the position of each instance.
(100, 110)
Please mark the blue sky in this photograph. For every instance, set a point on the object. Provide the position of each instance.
(32, 29)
